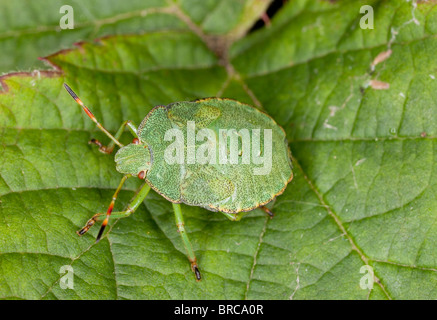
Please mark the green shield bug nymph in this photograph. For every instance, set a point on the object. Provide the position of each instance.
(215, 153)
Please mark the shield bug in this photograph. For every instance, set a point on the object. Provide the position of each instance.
(215, 153)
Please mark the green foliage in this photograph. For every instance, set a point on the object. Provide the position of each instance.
(364, 186)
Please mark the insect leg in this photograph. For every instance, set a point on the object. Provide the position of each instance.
(190, 252)
(110, 147)
(266, 210)
(97, 216)
(111, 206)
(133, 205)
(234, 216)
(238, 216)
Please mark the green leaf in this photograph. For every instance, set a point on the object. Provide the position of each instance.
(29, 30)
(364, 187)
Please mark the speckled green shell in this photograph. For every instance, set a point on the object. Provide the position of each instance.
(228, 187)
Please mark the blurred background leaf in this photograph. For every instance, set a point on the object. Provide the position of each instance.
(364, 187)
(31, 29)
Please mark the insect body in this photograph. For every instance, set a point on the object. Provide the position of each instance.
(218, 154)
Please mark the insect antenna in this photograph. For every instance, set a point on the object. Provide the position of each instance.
(90, 114)
(111, 206)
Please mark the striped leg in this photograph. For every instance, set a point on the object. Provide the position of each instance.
(133, 205)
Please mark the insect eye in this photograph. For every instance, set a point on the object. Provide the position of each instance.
(136, 141)
(142, 175)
